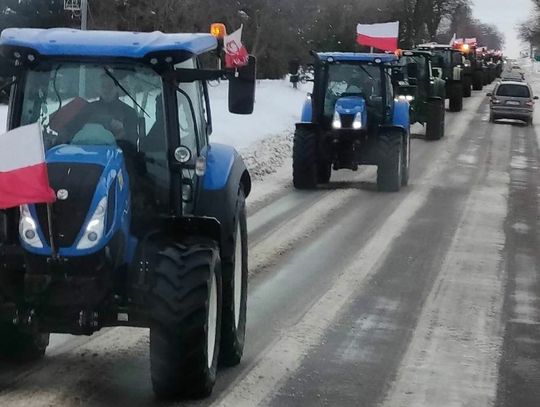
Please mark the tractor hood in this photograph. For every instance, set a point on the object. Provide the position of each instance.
(350, 105)
(99, 155)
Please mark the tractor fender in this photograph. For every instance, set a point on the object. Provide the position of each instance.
(401, 114)
(434, 98)
(307, 111)
(225, 174)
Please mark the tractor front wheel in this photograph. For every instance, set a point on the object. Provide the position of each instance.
(185, 309)
(305, 159)
(456, 97)
(435, 120)
(20, 346)
(235, 287)
(390, 167)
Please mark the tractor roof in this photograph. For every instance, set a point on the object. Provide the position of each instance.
(356, 57)
(427, 47)
(58, 42)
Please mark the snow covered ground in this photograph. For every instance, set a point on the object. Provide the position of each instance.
(263, 138)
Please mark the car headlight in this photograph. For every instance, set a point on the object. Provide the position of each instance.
(95, 227)
(28, 228)
(357, 122)
(336, 121)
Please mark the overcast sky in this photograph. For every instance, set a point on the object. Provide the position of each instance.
(505, 14)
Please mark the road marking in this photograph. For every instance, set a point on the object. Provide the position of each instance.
(285, 355)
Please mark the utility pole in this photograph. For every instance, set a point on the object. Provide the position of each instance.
(84, 14)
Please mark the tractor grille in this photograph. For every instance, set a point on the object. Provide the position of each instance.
(80, 180)
(347, 121)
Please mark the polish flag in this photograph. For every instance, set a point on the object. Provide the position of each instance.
(23, 171)
(236, 55)
(381, 36)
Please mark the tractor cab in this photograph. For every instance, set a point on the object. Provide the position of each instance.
(352, 91)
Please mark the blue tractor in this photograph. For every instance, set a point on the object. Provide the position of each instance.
(149, 225)
(353, 118)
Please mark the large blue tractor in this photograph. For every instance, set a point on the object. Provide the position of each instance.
(149, 225)
(353, 118)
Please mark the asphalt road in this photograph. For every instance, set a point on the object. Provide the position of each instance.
(427, 297)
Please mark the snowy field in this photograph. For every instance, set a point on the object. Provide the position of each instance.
(263, 138)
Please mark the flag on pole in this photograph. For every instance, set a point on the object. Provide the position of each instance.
(453, 40)
(471, 41)
(236, 55)
(23, 171)
(381, 36)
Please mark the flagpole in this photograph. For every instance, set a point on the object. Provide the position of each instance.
(54, 252)
(371, 50)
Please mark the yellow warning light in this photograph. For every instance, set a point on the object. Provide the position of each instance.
(218, 30)
(465, 47)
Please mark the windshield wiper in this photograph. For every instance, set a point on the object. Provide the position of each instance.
(117, 83)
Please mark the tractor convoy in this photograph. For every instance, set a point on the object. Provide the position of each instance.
(149, 224)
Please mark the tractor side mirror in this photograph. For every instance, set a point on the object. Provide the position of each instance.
(435, 73)
(489, 94)
(242, 88)
(535, 98)
(412, 70)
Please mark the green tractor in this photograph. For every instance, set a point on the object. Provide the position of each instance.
(419, 83)
(448, 65)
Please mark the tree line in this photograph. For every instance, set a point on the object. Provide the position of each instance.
(275, 31)
(529, 30)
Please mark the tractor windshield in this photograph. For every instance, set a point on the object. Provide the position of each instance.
(352, 80)
(106, 105)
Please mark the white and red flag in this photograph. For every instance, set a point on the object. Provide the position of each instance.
(236, 54)
(381, 36)
(23, 171)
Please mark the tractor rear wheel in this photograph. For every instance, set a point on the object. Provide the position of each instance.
(305, 159)
(19, 346)
(467, 86)
(406, 161)
(185, 309)
(435, 120)
(390, 167)
(235, 287)
(456, 97)
(324, 172)
(478, 78)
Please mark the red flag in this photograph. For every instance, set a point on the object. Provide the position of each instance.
(236, 55)
(380, 36)
(23, 171)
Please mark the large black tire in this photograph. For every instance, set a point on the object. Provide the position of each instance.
(19, 346)
(390, 166)
(324, 172)
(305, 159)
(456, 97)
(235, 275)
(185, 282)
(478, 79)
(467, 86)
(435, 120)
(486, 78)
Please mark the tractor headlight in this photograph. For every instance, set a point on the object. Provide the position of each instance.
(95, 227)
(28, 228)
(357, 122)
(409, 98)
(336, 121)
